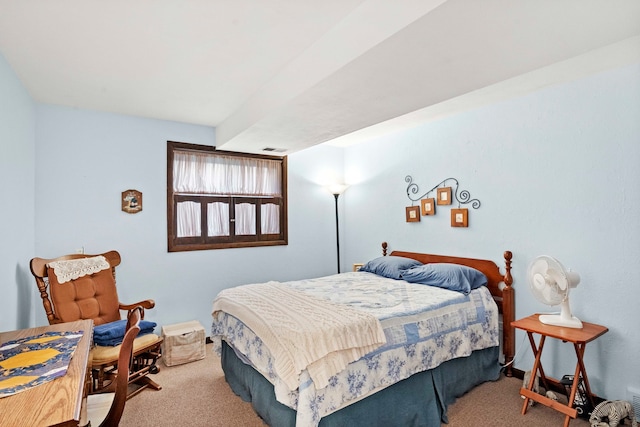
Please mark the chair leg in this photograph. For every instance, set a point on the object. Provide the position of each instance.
(98, 379)
(142, 383)
(143, 365)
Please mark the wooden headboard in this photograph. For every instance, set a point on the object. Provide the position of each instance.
(499, 285)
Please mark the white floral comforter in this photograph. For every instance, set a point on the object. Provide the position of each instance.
(424, 326)
(319, 336)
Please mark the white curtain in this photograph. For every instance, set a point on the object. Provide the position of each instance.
(220, 175)
(188, 216)
(203, 173)
(270, 219)
(245, 219)
(218, 219)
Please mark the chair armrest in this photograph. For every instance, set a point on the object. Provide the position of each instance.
(146, 304)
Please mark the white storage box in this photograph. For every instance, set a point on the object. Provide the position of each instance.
(183, 343)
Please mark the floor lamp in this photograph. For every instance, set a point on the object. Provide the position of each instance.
(337, 190)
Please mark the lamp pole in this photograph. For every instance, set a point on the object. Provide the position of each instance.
(336, 190)
(336, 195)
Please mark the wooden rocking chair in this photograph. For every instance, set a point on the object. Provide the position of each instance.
(88, 291)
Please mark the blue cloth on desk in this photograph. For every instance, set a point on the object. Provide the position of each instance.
(111, 334)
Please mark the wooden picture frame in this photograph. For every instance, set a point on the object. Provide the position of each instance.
(459, 217)
(413, 213)
(444, 196)
(131, 201)
(428, 206)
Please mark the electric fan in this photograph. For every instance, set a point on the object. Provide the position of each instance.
(550, 283)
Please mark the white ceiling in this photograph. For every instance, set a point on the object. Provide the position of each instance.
(290, 74)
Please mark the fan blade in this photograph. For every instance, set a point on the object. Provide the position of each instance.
(548, 294)
(539, 266)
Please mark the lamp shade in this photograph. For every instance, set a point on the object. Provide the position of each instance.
(337, 188)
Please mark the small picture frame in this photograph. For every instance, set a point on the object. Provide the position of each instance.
(131, 201)
(413, 213)
(459, 217)
(428, 206)
(444, 196)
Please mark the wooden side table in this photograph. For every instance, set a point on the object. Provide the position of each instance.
(579, 338)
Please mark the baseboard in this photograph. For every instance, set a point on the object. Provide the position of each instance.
(517, 373)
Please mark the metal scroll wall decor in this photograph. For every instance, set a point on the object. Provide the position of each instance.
(444, 193)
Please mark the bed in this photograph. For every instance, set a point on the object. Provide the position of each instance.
(368, 347)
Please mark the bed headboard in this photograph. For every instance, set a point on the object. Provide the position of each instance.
(499, 284)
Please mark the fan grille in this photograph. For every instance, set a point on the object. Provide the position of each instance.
(547, 280)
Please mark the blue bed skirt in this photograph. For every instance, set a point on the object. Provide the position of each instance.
(420, 400)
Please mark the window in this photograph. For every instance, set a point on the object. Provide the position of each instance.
(220, 199)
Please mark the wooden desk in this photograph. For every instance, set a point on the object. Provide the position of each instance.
(58, 402)
(579, 338)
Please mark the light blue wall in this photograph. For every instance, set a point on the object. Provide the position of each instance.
(86, 159)
(17, 144)
(557, 173)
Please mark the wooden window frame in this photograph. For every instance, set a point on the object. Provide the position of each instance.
(204, 242)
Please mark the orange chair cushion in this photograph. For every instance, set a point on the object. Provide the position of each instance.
(93, 296)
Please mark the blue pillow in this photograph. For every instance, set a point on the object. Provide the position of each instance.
(389, 266)
(454, 277)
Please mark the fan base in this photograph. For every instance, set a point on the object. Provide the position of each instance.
(559, 320)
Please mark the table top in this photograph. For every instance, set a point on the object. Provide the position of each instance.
(588, 332)
(56, 402)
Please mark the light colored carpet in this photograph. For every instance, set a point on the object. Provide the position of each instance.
(196, 394)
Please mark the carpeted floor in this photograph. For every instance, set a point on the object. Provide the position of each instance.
(196, 394)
